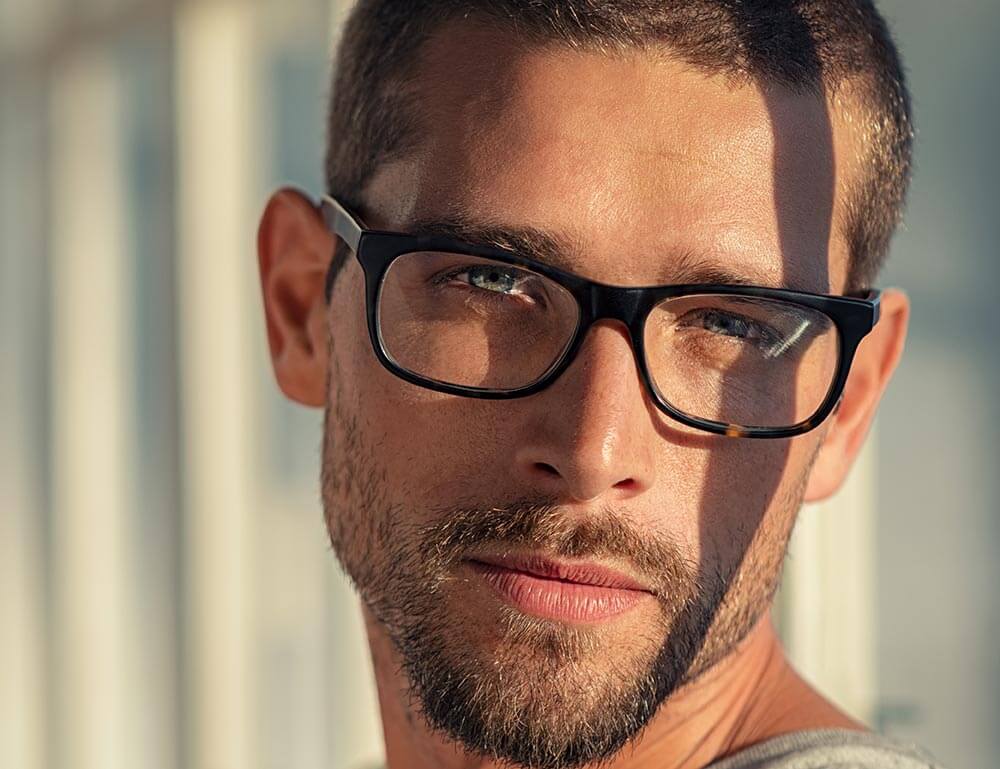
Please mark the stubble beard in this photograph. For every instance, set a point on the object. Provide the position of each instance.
(528, 691)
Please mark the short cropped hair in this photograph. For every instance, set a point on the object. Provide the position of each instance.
(826, 47)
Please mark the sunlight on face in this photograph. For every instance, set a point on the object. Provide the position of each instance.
(637, 161)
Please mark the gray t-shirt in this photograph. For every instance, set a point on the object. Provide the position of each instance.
(830, 749)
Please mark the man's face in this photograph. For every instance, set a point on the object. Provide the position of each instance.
(641, 163)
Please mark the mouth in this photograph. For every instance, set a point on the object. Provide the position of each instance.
(566, 591)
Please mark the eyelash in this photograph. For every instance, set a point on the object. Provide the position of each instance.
(443, 278)
(763, 332)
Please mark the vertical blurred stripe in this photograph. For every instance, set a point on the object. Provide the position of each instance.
(829, 620)
(214, 73)
(22, 325)
(91, 404)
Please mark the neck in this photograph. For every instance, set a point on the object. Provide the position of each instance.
(749, 696)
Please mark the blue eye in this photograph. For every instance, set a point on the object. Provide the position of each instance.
(491, 278)
(728, 324)
(486, 277)
(495, 282)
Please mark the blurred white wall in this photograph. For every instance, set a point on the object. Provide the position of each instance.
(169, 595)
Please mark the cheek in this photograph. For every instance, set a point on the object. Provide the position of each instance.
(435, 448)
(728, 493)
(446, 450)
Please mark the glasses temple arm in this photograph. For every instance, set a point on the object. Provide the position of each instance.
(875, 297)
(341, 222)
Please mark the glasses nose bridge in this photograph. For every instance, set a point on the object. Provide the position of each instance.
(618, 303)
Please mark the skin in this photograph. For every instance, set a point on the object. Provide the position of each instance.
(636, 159)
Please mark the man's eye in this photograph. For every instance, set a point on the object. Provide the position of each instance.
(728, 324)
(503, 281)
(492, 278)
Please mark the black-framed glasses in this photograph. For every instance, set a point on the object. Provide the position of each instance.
(488, 322)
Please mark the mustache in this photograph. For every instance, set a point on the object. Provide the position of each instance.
(543, 525)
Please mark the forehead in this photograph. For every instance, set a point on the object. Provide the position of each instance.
(637, 158)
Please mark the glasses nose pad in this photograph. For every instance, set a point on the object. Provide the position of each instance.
(623, 308)
(616, 303)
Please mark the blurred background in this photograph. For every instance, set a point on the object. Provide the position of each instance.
(167, 596)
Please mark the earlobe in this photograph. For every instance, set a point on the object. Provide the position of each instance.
(874, 364)
(293, 250)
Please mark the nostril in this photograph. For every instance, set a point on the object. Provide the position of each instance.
(547, 469)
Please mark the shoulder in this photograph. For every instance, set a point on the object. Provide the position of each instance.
(830, 749)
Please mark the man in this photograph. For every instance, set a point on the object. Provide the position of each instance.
(599, 318)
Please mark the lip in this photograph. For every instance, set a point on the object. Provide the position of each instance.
(566, 591)
(583, 573)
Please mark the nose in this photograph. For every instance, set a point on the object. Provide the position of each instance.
(592, 435)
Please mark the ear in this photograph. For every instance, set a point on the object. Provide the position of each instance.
(847, 427)
(294, 249)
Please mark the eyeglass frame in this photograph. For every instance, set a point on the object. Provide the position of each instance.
(854, 316)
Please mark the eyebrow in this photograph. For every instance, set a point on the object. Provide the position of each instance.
(565, 253)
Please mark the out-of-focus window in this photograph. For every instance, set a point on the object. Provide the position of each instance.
(939, 489)
(161, 523)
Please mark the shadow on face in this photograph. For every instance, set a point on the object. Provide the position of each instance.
(803, 178)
